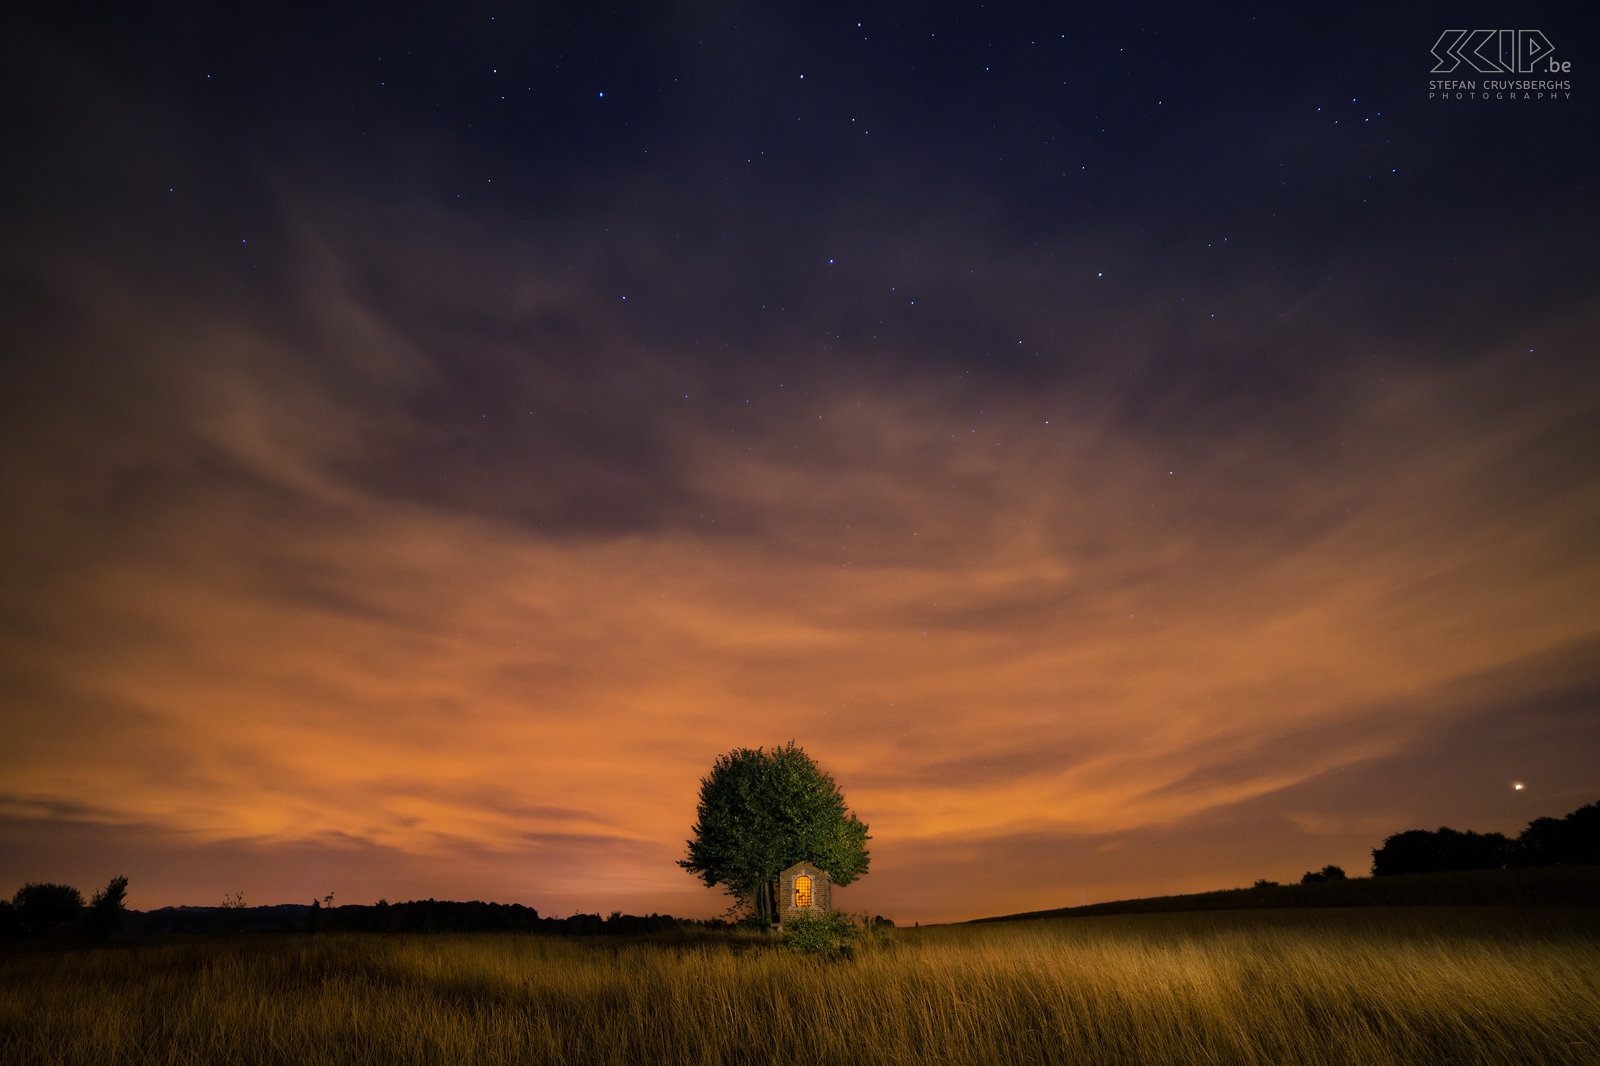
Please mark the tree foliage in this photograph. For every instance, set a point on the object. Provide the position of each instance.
(1421, 851)
(43, 906)
(761, 812)
(1570, 840)
(106, 908)
(1561, 841)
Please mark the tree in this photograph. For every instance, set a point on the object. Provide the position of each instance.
(105, 909)
(1419, 851)
(43, 906)
(314, 913)
(761, 812)
(1327, 873)
(1559, 841)
(232, 912)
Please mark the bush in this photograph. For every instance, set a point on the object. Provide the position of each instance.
(314, 914)
(231, 914)
(106, 909)
(1419, 851)
(831, 935)
(1560, 841)
(42, 907)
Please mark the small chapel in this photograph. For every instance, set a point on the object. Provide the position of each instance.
(803, 888)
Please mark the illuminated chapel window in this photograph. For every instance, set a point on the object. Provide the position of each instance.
(802, 892)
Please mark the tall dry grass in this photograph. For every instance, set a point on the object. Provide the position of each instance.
(1402, 987)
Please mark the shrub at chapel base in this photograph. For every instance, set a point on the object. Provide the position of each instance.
(830, 935)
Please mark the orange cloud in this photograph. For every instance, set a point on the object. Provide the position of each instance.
(1000, 618)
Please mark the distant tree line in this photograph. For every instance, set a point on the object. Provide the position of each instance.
(54, 910)
(415, 916)
(42, 909)
(445, 916)
(1570, 840)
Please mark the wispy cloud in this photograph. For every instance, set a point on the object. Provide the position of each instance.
(402, 590)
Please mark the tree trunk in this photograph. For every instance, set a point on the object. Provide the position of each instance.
(766, 902)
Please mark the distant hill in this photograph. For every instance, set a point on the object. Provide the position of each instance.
(1550, 886)
(211, 919)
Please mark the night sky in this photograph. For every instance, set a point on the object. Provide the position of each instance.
(1134, 453)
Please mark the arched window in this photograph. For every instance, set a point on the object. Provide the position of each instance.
(802, 891)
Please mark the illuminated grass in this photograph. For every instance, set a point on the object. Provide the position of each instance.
(1408, 986)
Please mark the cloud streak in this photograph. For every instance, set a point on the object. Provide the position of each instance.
(424, 578)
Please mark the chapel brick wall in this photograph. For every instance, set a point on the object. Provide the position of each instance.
(821, 891)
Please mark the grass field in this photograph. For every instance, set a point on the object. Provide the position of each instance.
(1403, 986)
